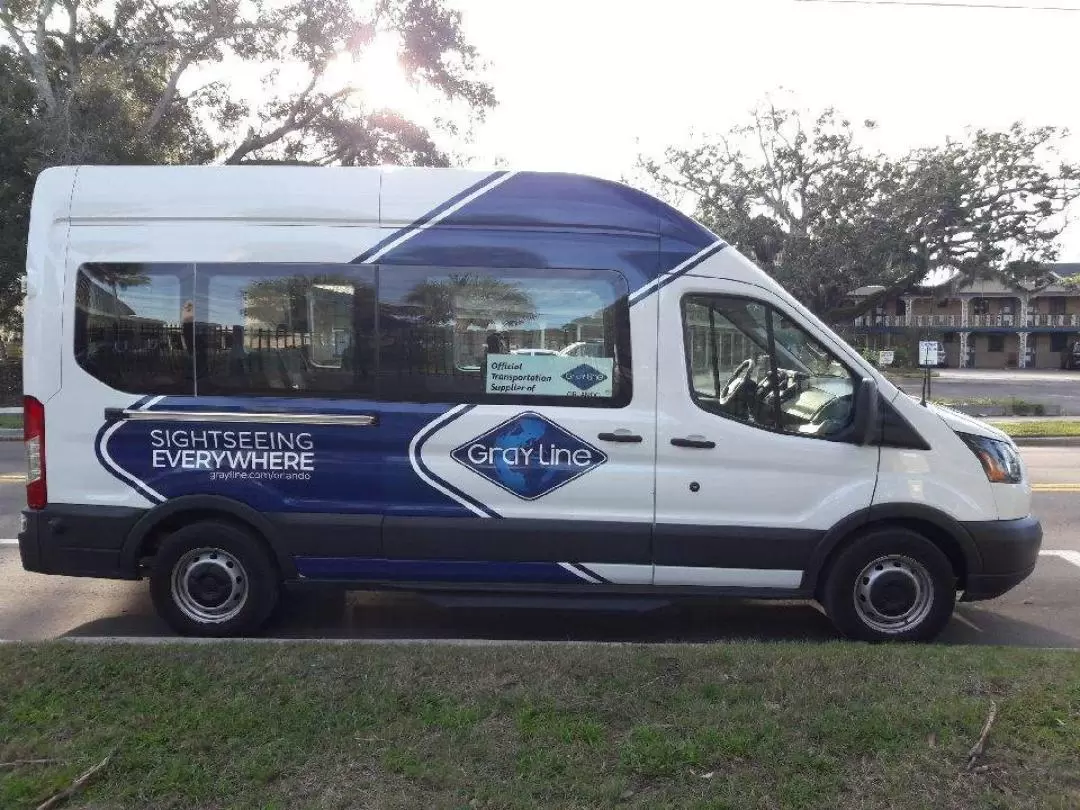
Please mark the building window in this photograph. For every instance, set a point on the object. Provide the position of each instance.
(1057, 306)
(980, 306)
(133, 326)
(901, 307)
(285, 330)
(1059, 342)
(530, 337)
(995, 343)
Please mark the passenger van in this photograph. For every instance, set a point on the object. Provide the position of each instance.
(243, 378)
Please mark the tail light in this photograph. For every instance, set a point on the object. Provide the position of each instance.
(34, 436)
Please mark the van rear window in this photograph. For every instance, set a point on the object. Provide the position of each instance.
(286, 330)
(134, 326)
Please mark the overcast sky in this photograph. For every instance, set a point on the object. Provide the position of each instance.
(585, 85)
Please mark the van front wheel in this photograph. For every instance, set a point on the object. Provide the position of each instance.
(890, 585)
(212, 578)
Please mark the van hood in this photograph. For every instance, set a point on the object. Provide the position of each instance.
(962, 423)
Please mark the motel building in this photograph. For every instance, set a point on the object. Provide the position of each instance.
(988, 324)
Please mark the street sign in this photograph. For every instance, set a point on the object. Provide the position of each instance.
(928, 352)
(885, 358)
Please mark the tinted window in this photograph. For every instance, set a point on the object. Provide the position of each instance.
(133, 326)
(526, 337)
(749, 363)
(281, 329)
(995, 343)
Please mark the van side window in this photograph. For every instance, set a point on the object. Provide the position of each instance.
(285, 330)
(133, 326)
(748, 362)
(541, 337)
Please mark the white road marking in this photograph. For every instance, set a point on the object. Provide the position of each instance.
(1068, 556)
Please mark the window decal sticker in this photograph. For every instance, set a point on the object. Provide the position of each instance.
(547, 375)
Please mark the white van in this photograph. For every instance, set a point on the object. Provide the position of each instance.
(240, 378)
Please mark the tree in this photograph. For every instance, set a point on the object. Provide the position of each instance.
(18, 135)
(825, 215)
(112, 74)
(467, 300)
(89, 81)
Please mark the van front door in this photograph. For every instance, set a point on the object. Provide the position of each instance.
(756, 457)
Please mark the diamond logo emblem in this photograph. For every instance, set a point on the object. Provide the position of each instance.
(529, 456)
(584, 376)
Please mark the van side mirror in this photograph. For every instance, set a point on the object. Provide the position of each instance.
(867, 412)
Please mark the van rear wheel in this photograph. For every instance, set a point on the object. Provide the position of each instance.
(892, 584)
(213, 578)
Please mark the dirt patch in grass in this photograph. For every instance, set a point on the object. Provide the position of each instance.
(736, 725)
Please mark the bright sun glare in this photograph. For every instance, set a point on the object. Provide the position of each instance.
(378, 78)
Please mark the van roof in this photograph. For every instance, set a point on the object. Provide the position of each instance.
(356, 196)
(513, 219)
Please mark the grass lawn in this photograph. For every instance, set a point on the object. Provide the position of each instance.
(1040, 428)
(755, 725)
(11, 420)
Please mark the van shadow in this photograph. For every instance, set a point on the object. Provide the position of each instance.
(326, 614)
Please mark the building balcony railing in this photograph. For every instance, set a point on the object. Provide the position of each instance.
(936, 320)
(880, 320)
(1038, 319)
(1000, 320)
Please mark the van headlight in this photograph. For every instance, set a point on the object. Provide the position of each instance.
(999, 459)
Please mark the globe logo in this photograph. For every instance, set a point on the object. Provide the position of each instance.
(529, 456)
(584, 376)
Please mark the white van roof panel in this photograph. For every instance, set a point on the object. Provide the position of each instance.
(257, 194)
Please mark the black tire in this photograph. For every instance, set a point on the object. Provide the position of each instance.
(867, 602)
(226, 581)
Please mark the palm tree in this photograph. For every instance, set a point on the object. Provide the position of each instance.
(468, 300)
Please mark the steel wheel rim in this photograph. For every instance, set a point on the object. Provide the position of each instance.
(209, 585)
(893, 594)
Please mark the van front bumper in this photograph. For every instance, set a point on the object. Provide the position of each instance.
(1008, 550)
(77, 541)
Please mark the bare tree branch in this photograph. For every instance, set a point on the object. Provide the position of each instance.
(293, 120)
(165, 100)
(35, 61)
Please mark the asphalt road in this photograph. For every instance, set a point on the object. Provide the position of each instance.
(1043, 611)
(1060, 388)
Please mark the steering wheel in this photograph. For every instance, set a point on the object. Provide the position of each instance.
(736, 381)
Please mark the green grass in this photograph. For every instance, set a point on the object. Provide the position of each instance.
(1014, 405)
(747, 725)
(1042, 428)
(11, 420)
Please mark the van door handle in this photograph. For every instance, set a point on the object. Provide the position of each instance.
(694, 441)
(620, 435)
